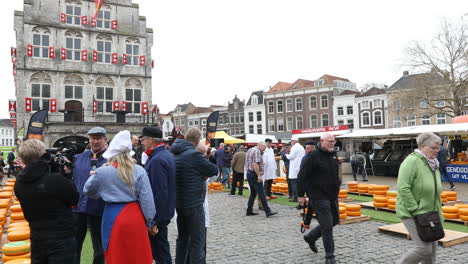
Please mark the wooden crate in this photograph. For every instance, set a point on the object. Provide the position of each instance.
(457, 221)
(451, 237)
(354, 219)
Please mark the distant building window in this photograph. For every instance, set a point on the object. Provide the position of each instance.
(133, 54)
(378, 118)
(251, 117)
(133, 98)
(271, 125)
(40, 94)
(73, 91)
(104, 19)
(73, 48)
(313, 102)
(441, 118)
(289, 105)
(411, 120)
(41, 45)
(73, 14)
(377, 103)
(425, 120)
(104, 48)
(280, 124)
(259, 116)
(254, 100)
(196, 122)
(349, 110)
(424, 104)
(279, 105)
(397, 122)
(298, 104)
(440, 103)
(271, 107)
(313, 121)
(251, 129)
(340, 122)
(190, 123)
(365, 105)
(289, 124)
(324, 101)
(203, 122)
(105, 98)
(325, 120)
(340, 111)
(299, 122)
(259, 129)
(365, 119)
(351, 123)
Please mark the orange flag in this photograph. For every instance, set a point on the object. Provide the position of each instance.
(98, 6)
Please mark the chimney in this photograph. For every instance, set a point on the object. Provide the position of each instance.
(405, 73)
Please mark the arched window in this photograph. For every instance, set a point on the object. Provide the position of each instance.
(313, 102)
(132, 49)
(271, 125)
(40, 91)
(289, 105)
(299, 122)
(378, 118)
(104, 94)
(73, 12)
(298, 104)
(73, 44)
(104, 17)
(324, 101)
(104, 48)
(73, 86)
(41, 42)
(325, 121)
(279, 105)
(133, 89)
(365, 119)
(289, 124)
(313, 121)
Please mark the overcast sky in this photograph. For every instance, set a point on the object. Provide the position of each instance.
(207, 51)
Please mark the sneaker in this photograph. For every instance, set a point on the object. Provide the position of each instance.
(250, 213)
(312, 245)
(452, 188)
(365, 180)
(271, 214)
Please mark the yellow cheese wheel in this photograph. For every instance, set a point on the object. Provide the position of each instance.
(392, 193)
(343, 191)
(380, 192)
(450, 209)
(16, 208)
(363, 190)
(463, 211)
(18, 228)
(7, 189)
(23, 259)
(352, 183)
(381, 187)
(391, 201)
(464, 217)
(444, 200)
(380, 199)
(23, 223)
(17, 216)
(461, 205)
(18, 235)
(6, 194)
(341, 204)
(343, 216)
(451, 198)
(391, 206)
(352, 207)
(363, 186)
(353, 213)
(380, 204)
(342, 196)
(450, 215)
(16, 248)
(451, 193)
(342, 210)
(353, 190)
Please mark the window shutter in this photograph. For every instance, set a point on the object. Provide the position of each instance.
(30, 50)
(115, 58)
(53, 105)
(63, 53)
(124, 106)
(142, 60)
(124, 58)
(144, 108)
(93, 22)
(28, 102)
(116, 106)
(84, 55)
(114, 24)
(95, 55)
(52, 52)
(84, 20)
(63, 17)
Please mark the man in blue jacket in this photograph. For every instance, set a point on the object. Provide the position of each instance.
(161, 172)
(192, 170)
(88, 212)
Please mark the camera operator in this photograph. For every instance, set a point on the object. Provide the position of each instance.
(46, 199)
(89, 211)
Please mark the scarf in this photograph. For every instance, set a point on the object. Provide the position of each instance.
(433, 163)
(151, 150)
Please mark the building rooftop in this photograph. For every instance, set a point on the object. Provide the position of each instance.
(349, 92)
(414, 80)
(5, 123)
(372, 91)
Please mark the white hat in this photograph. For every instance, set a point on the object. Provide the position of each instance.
(120, 143)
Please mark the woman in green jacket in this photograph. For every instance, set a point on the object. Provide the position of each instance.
(416, 194)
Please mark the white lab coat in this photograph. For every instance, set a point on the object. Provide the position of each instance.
(295, 158)
(269, 164)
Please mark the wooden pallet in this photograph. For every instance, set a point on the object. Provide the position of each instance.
(345, 200)
(278, 193)
(451, 237)
(354, 219)
(456, 221)
(452, 203)
(361, 194)
(370, 205)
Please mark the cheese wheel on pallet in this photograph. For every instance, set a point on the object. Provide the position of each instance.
(450, 209)
(16, 248)
(23, 259)
(380, 192)
(18, 228)
(16, 208)
(353, 213)
(6, 195)
(464, 217)
(391, 201)
(381, 188)
(18, 235)
(353, 190)
(450, 215)
(380, 204)
(342, 196)
(352, 207)
(380, 199)
(342, 210)
(392, 193)
(391, 206)
(463, 211)
(17, 216)
(451, 193)
(341, 204)
(24, 223)
(342, 191)
(461, 205)
(343, 216)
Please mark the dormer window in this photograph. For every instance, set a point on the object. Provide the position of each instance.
(254, 100)
(319, 83)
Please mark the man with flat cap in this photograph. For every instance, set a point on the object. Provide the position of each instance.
(161, 172)
(88, 212)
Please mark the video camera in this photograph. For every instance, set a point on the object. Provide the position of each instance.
(57, 158)
(306, 215)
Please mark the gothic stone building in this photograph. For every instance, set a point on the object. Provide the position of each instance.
(80, 68)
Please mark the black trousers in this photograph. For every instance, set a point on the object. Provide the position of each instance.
(11, 168)
(237, 178)
(53, 251)
(268, 184)
(82, 221)
(160, 244)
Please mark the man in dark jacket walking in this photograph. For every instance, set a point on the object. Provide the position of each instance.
(161, 172)
(11, 162)
(320, 181)
(192, 170)
(442, 158)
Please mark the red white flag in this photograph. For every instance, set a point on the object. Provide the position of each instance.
(84, 20)
(28, 102)
(155, 109)
(63, 53)
(124, 106)
(52, 52)
(63, 17)
(11, 106)
(114, 24)
(116, 106)
(98, 7)
(53, 105)
(95, 55)
(115, 58)
(142, 60)
(144, 108)
(30, 50)
(95, 106)
(84, 55)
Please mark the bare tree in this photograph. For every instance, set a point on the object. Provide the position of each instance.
(367, 86)
(446, 58)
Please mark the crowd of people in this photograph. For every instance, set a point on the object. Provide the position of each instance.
(126, 193)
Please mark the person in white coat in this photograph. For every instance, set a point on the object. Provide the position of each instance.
(269, 168)
(295, 157)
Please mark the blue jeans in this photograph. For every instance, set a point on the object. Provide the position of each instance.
(327, 217)
(191, 238)
(82, 221)
(226, 176)
(53, 251)
(358, 165)
(443, 173)
(160, 244)
(293, 188)
(256, 188)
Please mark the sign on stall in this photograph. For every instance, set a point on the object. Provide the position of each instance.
(458, 173)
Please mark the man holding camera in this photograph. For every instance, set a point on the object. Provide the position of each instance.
(89, 211)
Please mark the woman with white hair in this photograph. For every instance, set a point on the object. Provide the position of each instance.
(419, 189)
(129, 209)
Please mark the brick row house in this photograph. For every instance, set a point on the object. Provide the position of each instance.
(372, 106)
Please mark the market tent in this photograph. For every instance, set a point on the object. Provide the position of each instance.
(227, 138)
(255, 138)
(319, 134)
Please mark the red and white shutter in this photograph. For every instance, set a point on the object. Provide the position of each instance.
(12, 115)
(11, 106)
(142, 60)
(63, 53)
(93, 22)
(152, 64)
(95, 55)
(94, 106)
(13, 60)
(124, 106)
(63, 17)
(13, 52)
(84, 20)
(30, 50)
(52, 52)
(114, 24)
(84, 55)
(124, 58)
(53, 105)
(116, 106)
(144, 108)
(28, 102)
(115, 58)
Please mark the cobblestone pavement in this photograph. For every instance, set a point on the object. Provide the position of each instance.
(236, 238)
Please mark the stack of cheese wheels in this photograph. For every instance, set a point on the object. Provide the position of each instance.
(215, 186)
(343, 194)
(463, 213)
(451, 196)
(450, 212)
(353, 210)
(363, 188)
(19, 261)
(380, 201)
(16, 250)
(275, 188)
(283, 187)
(391, 202)
(342, 212)
(380, 189)
(443, 197)
(352, 186)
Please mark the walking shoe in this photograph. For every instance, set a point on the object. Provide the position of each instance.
(271, 214)
(230, 194)
(365, 180)
(250, 213)
(312, 245)
(240, 194)
(273, 197)
(330, 261)
(452, 188)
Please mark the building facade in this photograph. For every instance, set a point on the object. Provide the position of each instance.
(254, 114)
(7, 133)
(302, 104)
(81, 69)
(231, 118)
(345, 109)
(372, 107)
